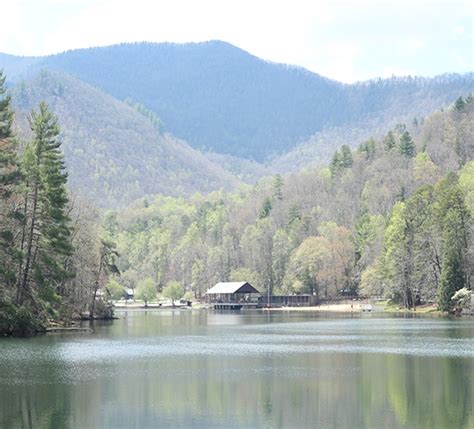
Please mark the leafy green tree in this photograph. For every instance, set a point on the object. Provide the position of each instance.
(146, 290)
(173, 291)
(306, 266)
(399, 238)
(114, 289)
(406, 145)
(466, 183)
(389, 141)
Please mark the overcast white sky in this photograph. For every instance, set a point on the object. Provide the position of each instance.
(341, 39)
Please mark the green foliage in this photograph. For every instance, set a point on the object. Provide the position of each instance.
(6, 113)
(266, 208)
(341, 160)
(38, 262)
(9, 182)
(146, 290)
(173, 291)
(313, 233)
(367, 148)
(406, 145)
(115, 289)
(19, 320)
(460, 104)
(389, 141)
(466, 183)
(453, 277)
(277, 187)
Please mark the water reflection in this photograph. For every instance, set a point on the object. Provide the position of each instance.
(205, 369)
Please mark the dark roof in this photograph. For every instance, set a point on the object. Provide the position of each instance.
(232, 287)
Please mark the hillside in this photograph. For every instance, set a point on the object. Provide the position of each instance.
(384, 219)
(114, 153)
(221, 99)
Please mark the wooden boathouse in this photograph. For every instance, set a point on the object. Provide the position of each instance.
(233, 296)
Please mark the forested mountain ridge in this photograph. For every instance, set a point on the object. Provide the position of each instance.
(220, 98)
(115, 153)
(391, 218)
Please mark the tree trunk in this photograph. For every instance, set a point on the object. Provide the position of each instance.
(29, 248)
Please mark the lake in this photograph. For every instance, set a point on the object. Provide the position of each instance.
(255, 369)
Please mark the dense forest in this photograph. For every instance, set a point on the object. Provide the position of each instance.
(392, 218)
(53, 259)
(222, 99)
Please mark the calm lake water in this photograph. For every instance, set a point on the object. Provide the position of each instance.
(198, 369)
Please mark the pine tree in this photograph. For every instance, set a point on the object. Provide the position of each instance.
(9, 180)
(346, 156)
(454, 221)
(460, 104)
(389, 141)
(341, 159)
(46, 236)
(406, 146)
(335, 164)
(277, 187)
(266, 208)
(8, 165)
(368, 148)
(452, 272)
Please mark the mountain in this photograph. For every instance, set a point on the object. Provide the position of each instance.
(220, 98)
(114, 152)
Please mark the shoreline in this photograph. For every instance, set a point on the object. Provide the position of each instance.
(342, 307)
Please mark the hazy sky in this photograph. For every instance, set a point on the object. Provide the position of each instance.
(346, 40)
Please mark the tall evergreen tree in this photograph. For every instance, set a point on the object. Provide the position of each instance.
(346, 156)
(9, 180)
(277, 187)
(453, 275)
(406, 146)
(341, 159)
(46, 237)
(460, 104)
(454, 221)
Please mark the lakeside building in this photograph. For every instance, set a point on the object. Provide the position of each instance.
(233, 296)
(305, 300)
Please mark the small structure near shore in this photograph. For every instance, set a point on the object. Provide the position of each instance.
(305, 300)
(233, 296)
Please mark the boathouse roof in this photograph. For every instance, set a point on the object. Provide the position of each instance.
(232, 287)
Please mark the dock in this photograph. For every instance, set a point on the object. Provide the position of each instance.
(235, 305)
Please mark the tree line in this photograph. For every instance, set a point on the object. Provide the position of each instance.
(52, 262)
(391, 218)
